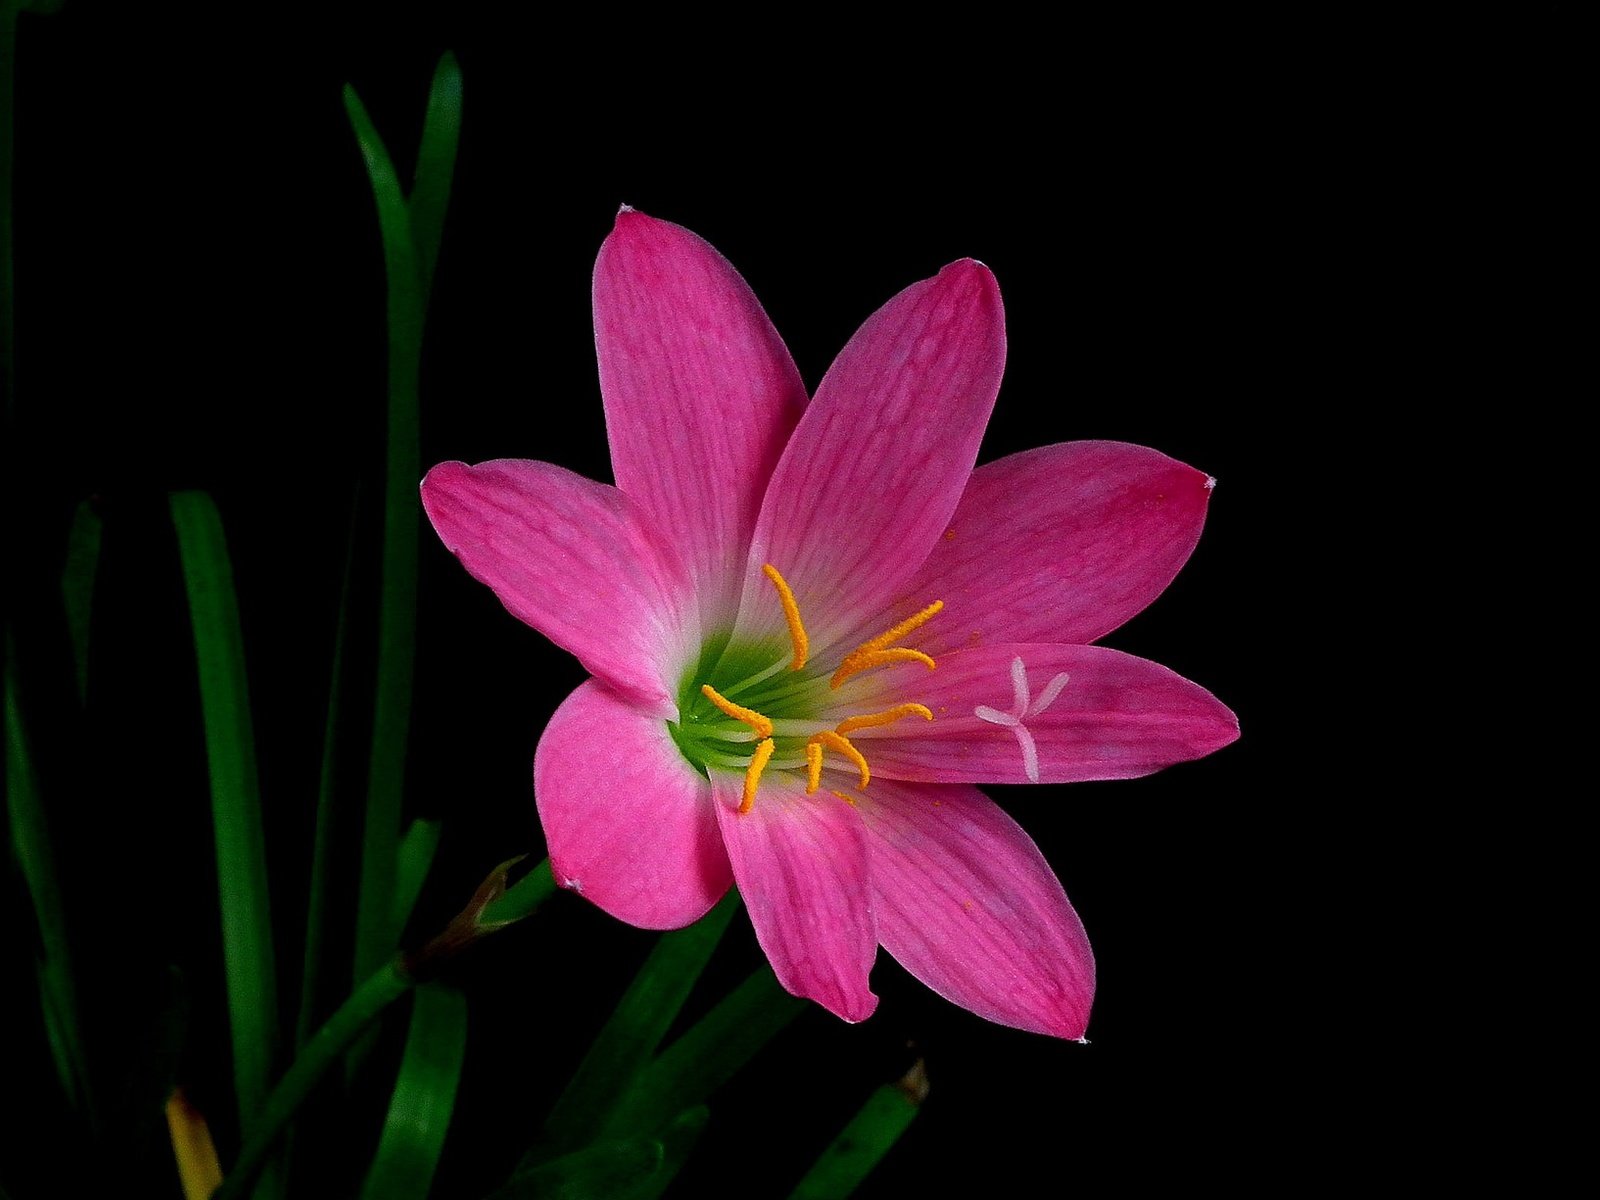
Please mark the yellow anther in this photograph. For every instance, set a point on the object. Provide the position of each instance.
(887, 717)
(752, 773)
(791, 614)
(856, 661)
(850, 800)
(813, 767)
(876, 652)
(738, 712)
(841, 744)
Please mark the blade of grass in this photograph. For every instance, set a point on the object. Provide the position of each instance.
(416, 852)
(31, 843)
(77, 587)
(322, 862)
(199, 1172)
(678, 1141)
(352, 1018)
(397, 616)
(424, 1097)
(603, 1171)
(708, 1054)
(235, 802)
(862, 1143)
(630, 1037)
(436, 161)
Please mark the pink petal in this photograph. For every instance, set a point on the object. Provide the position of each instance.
(1117, 717)
(577, 561)
(801, 865)
(1059, 544)
(968, 905)
(628, 821)
(878, 462)
(700, 394)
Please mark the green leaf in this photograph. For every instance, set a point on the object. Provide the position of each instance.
(321, 1051)
(397, 615)
(417, 849)
(862, 1143)
(424, 1096)
(678, 1141)
(29, 831)
(436, 161)
(235, 801)
(521, 899)
(709, 1054)
(77, 587)
(603, 1171)
(628, 1040)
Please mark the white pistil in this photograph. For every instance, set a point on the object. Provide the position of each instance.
(1020, 708)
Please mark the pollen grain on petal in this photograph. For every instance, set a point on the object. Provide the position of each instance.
(761, 724)
(752, 774)
(791, 615)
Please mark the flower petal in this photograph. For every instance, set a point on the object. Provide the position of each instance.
(700, 394)
(628, 821)
(577, 561)
(968, 905)
(1117, 717)
(801, 865)
(878, 462)
(1060, 544)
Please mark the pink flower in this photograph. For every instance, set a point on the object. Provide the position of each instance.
(813, 626)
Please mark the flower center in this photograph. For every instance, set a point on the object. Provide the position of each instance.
(752, 708)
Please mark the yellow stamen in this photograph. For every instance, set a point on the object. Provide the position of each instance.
(856, 661)
(887, 717)
(850, 800)
(813, 767)
(738, 712)
(791, 614)
(875, 652)
(752, 774)
(841, 744)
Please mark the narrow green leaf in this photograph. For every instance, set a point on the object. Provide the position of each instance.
(436, 161)
(235, 800)
(630, 1037)
(318, 917)
(678, 1141)
(77, 587)
(417, 849)
(321, 1051)
(521, 899)
(603, 1171)
(30, 840)
(709, 1054)
(397, 616)
(862, 1143)
(424, 1096)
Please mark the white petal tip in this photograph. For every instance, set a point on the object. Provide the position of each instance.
(1211, 482)
(626, 208)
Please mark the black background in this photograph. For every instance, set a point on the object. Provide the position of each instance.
(200, 297)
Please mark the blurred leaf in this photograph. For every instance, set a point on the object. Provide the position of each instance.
(603, 1171)
(416, 853)
(397, 616)
(235, 803)
(199, 1172)
(30, 841)
(678, 1141)
(629, 1039)
(436, 161)
(77, 587)
(709, 1054)
(424, 1096)
(852, 1155)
